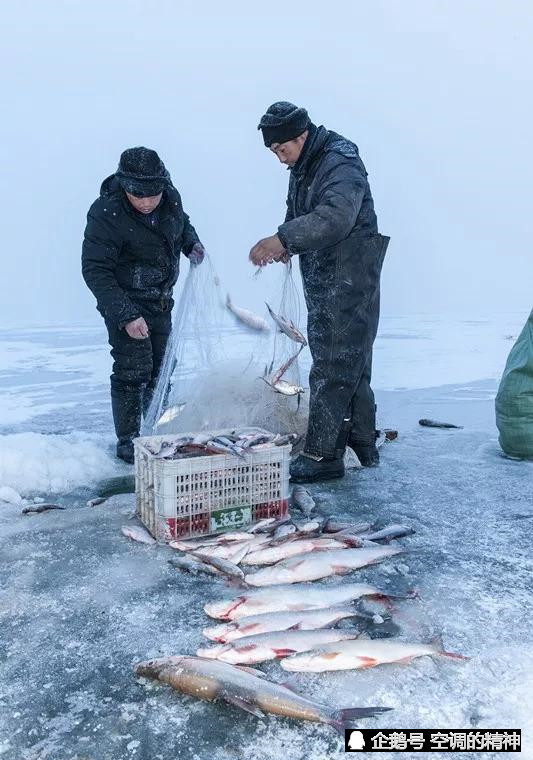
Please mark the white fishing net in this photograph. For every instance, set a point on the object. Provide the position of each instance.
(212, 374)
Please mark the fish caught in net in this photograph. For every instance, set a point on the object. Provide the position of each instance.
(226, 366)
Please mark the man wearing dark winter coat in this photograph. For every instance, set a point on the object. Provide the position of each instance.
(135, 233)
(332, 227)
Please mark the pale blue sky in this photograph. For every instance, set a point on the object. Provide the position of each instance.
(436, 94)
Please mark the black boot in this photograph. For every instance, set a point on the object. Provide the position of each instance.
(126, 405)
(367, 453)
(304, 469)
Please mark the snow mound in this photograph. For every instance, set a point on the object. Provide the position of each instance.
(9, 495)
(32, 463)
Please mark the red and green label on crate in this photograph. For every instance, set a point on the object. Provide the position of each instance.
(230, 518)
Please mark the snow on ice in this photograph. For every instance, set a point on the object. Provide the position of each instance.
(80, 604)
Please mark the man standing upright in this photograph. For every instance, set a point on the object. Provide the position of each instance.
(135, 233)
(331, 225)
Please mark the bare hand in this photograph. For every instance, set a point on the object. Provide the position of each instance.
(267, 251)
(138, 329)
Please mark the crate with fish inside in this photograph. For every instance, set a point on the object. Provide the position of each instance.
(208, 483)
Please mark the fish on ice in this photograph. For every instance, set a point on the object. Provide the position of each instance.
(192, 565)
(303, 596)
(136, 533)
(247, 689)
(224, 566)
(288, 620)
(335, 526)
(273, 645)
(40, 508)
(388, 533)
(435, 424)
(302, 500)
(366, 653)
(233, 551)
(268, 555)
(247, 318)
(319, 565)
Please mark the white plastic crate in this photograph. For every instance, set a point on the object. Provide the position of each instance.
(177, 498)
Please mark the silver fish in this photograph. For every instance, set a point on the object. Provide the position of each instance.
(333, 526)
(300, 546)
(247, 689)
(276, 377)
(248, 318)
(283, 531)
(367, 653)
(255, 440)
(262, 525)
(302, 596)
(223, 565)
(387, 534)
(137, 533)
(96, 502)
(310, 527)
(171, 413)
(435, 424)
(285, 388)
(273, 645)
(319, 565)
(201, 439)
(284, 440)
(192, 565)
(233, 552)
(223, 443)
(287, 327)
(302, 500)
(297, 620)
(40, 508)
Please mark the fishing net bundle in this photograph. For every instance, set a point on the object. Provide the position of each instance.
(215, 367)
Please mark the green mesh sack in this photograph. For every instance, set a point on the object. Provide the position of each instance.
(514, 401)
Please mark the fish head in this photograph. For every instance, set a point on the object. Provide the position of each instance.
(153, 668)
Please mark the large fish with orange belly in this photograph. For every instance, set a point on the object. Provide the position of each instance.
(248, 690)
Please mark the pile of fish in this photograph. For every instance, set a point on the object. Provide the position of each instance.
(288, 618)
(234, 442)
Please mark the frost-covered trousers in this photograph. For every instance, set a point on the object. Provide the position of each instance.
(341, 287)
(136, 366)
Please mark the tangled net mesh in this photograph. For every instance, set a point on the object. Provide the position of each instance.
(211, 377)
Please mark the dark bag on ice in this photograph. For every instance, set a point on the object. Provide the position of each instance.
(514, 401)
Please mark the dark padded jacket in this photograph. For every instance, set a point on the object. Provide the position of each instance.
(130, 266)
(329, 196)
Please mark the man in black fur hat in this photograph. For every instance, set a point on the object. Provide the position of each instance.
(332, 227)
(135, 233)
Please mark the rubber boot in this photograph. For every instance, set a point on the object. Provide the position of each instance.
(307, 469)
(126, 405)
(367, 453)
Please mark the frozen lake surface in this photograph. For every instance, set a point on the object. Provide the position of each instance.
(80, 604)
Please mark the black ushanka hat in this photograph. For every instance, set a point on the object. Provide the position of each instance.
(283, 122)
(142, 173)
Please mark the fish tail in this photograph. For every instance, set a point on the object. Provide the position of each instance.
(349, 717)
(439, 646)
